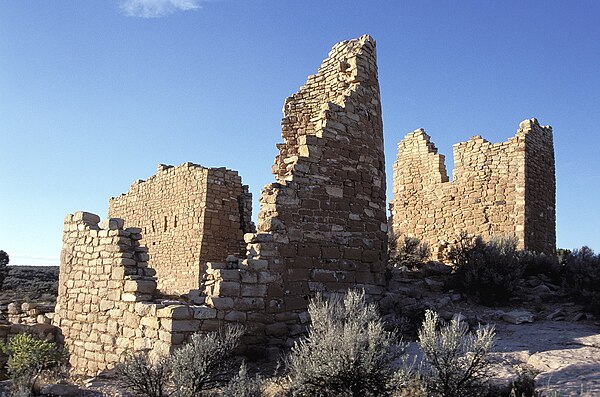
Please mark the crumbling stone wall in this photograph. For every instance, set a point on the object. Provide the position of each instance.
(322, 228)
(188, 215)
(322, 224)
(105, 304)
(502, 189)
(326, 210)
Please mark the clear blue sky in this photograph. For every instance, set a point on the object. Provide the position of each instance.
(94, 94)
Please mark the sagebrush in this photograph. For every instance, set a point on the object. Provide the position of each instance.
(455, 360)
(201, 365)
(489, 271)
(142, 375)
(582, 277)
(347, 351)
(242, 385)
(411, 252)
(205, 362)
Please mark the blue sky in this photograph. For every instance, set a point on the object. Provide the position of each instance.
(94, 94)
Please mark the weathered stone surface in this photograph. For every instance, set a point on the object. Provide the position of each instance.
(501, 189)
(99, 306)
(518, 317)
(567, 355)
(188, 215)
(326, 208)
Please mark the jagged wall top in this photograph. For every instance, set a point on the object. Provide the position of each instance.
(498, 189)
(350, 66)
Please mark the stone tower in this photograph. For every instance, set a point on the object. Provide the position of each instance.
(503, 189)
(188, 215)
(322, 225)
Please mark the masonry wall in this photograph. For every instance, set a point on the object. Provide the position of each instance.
(503, 189)
(107, 303)
(188, 215)
(326, 211)
(322, 225)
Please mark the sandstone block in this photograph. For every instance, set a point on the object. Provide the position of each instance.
(220, 303)
(179, 325)
(204, 312)
(236, 316)
(175, 312)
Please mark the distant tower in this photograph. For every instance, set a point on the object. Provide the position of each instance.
(503, 189)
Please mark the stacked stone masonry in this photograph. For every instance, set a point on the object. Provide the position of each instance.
(322, 224)
(106, 303)
(189, 215)
(323, 228)
(503, 189)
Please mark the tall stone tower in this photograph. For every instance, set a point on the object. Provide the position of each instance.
(322, 225)
(503, 189)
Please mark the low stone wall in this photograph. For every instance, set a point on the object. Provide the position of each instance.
(106, 293)
(28, 313)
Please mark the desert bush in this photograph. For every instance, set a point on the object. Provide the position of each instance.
(200, 365)
(582, 277)
(407, 381)
(524, 385)
(562, 254)
(28, 357)
(204, 362)
(347, 351)
(490, 271)
(455, 361)
(411, 253)
(143, 376)
(243, 385)
(535, 264)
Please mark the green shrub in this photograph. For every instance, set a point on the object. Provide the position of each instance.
(411, 253)
(582, 277)
(489, 271)
(524, 385)
(29, 356)
(143, 376)
(455, 361)
(347, 351)
(535, 264)
(243, 386)
(204, 362)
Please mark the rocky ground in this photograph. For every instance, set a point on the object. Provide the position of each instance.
(541, 330)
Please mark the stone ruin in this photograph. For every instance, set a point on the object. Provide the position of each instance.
(179, 253)
(322, 228)
(189, 215)
(503, 189)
